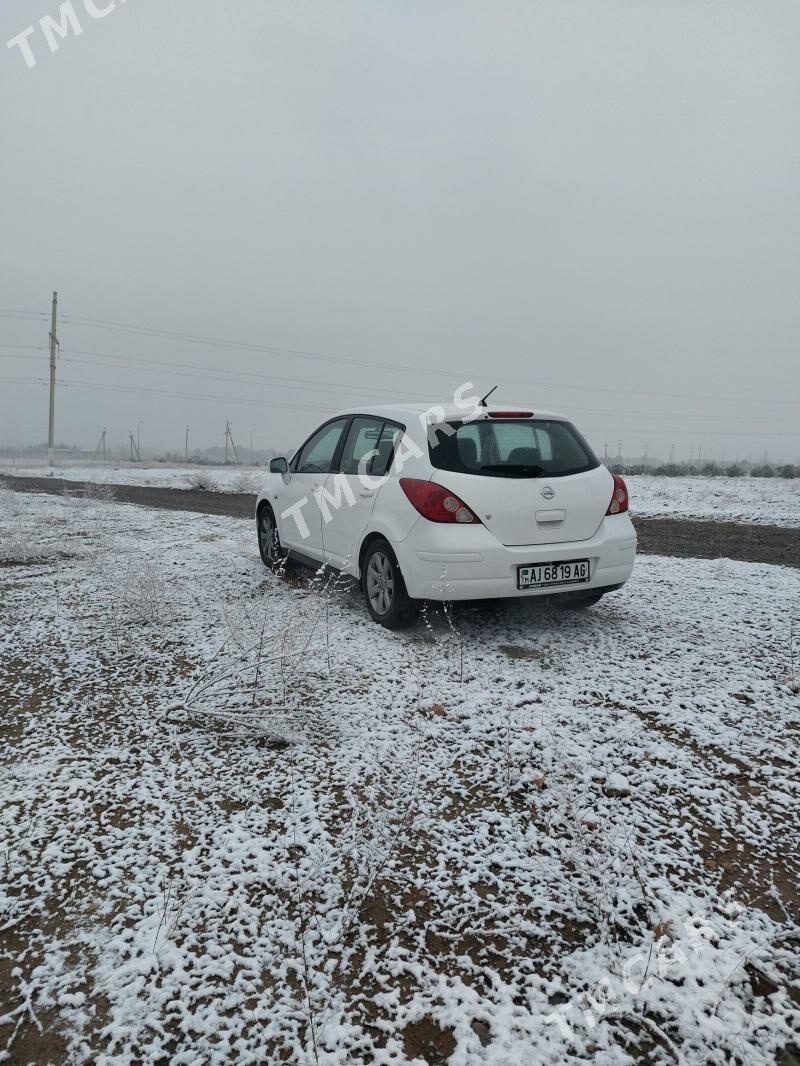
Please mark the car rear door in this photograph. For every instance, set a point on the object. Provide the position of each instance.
(545, 507)
(349, 494)
(535, 510)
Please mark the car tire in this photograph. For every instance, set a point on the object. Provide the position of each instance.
(384, 590)
(269, 542)
(585, 601)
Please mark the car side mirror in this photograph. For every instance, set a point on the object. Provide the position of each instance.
(278, 465)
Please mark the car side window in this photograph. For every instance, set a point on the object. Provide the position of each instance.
(316, 456)
(362, 441)
(384, 452)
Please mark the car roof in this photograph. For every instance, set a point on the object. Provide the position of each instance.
(401, 412)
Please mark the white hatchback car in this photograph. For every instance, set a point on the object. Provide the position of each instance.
(446, 505)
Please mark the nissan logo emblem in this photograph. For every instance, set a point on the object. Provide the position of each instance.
(548, 492)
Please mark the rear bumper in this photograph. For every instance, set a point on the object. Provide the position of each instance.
(449, 562)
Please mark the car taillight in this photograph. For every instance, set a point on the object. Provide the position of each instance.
(437, 503)
(619, 498)
(511, 414)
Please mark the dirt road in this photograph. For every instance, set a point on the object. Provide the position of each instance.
(657, 536)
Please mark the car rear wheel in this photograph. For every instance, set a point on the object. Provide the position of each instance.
(384, 589)
(269, 543)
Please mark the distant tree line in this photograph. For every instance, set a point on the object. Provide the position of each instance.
(215, 456)
(707, 469)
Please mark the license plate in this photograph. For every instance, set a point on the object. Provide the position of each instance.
(545, 575)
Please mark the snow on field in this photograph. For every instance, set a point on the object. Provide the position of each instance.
(762, 500)
(765, 501)
(219, 478)
(242, 823)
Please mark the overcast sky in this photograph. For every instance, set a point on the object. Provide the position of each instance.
(565, 198)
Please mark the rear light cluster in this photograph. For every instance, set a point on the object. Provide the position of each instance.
(619, 498)
(436, 503)
(511, 414)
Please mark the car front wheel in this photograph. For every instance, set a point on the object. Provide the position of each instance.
(384, 589)
(269, 544)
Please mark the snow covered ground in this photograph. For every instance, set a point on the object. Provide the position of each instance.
(219, 478)
(768, 501)
(762, 500)
(242, 823)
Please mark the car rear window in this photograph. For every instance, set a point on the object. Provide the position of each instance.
(510, 448)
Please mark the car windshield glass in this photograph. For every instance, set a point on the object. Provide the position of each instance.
(511, 448)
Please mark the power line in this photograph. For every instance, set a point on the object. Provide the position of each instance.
(618, 413)
(318, 407)
(93, 385)
(325, 386)
(96, 323)
(190, 370)
(315, 385)
(193, 370)
(190, 395)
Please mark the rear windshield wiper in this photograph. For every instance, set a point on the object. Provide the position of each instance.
(514, 468)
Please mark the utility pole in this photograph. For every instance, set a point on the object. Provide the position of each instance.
(101, 444)
(645, 453)
(139, 440)
(134, 447)
(229, 437)
(51, 427)
(671, 452)
(605, 453)
(186, 452)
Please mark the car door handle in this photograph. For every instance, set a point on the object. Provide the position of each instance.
(366, 492)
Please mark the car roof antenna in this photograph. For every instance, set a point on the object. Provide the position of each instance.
(486, 397)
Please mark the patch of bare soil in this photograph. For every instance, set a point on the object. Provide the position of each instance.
(718, 540)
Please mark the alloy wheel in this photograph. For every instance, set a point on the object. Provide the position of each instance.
(380, 582)
(268, 537)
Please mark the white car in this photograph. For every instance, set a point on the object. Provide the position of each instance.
(447, 504)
